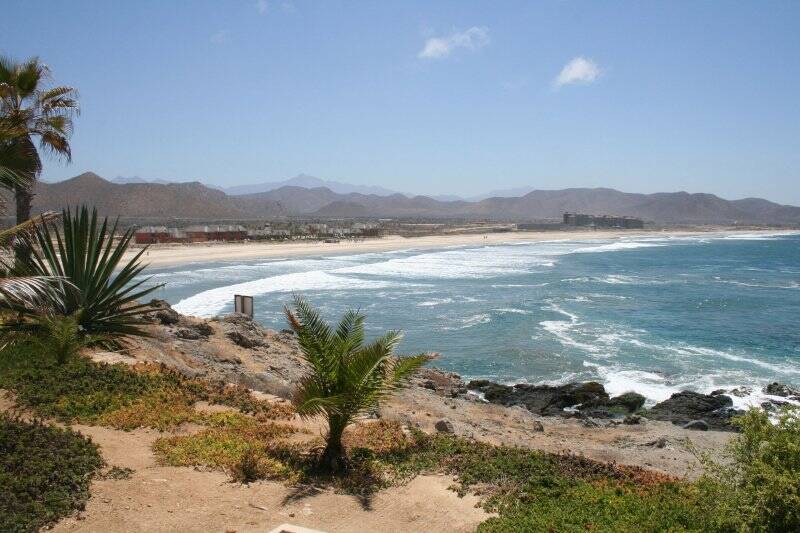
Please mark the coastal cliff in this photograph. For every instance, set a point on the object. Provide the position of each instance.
(579, 418)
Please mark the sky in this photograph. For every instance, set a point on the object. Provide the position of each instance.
(445, 97)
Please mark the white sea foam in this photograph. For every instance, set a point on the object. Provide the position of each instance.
(513, 310)
(617, 247)
(211, 302)
(656, 388)
(761, 236)
(434, 302)
(471, 321)
(562, 330)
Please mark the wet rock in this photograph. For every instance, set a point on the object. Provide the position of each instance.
(630, 401)
(687, 406)
(543, 399)
(444, 426)
(772, 406)
(786, 391)
(699, 425)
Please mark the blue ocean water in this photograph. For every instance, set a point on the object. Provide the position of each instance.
(650, 314)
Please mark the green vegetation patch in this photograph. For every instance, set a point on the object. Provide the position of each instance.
(80, 390)
(44, 473)
(246, 448)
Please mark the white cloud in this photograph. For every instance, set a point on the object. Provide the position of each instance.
(578, 70)
(219, 37)
(262, 6)
(441, 47)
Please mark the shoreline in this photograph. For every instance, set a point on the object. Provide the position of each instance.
(170, 255)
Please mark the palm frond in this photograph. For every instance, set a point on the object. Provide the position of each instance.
(27, 228)
(31, 292)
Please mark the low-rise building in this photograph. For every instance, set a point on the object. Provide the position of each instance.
(216, 233)
(158, 234)
(602, 221)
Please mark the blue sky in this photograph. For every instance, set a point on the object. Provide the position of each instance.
(430, 97)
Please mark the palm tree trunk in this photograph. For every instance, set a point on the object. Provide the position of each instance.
(24, 198)
(333, 459)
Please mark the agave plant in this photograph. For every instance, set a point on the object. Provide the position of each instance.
(346, 378)
(84, 253)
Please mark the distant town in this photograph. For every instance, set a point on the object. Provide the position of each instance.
(332, 232)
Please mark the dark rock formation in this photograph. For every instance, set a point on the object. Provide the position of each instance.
(543, 399)
(244, 340)
(687, 406)
(630, 401)
(786, 391)
(163, 314)
(447, 384)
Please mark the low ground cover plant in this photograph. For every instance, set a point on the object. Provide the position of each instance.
(45, 473)
(79, 390)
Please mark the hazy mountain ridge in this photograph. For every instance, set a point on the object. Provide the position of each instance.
(308, 182)
(198, 201)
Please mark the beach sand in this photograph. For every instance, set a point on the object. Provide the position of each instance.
(168, 255)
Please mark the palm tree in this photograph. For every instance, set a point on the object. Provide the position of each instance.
(20, 291)
(28, 106)
(345, 377)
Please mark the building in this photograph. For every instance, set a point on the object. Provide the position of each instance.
(602, 221)
(216, 233)
(158, 234)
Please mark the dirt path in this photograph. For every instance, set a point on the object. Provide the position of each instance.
(161, 498)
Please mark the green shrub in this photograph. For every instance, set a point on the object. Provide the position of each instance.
(757, 486)
(44, 474)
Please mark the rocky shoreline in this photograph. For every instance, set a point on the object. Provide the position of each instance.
(586, 401)
(589, 400)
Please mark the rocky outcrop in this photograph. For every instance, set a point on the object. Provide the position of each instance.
(587, 399)
(688, 406)
(443, 383)
(785, 391)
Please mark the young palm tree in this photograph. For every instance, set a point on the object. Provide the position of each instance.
(345, 377)
(106, 294)
(41, 113)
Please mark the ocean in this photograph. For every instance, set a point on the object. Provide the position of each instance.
(651, 314)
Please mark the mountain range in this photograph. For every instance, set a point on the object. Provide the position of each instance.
(193, 200)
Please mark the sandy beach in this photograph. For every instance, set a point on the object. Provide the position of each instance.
(169, 255)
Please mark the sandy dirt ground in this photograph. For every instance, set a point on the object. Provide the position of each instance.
(178, 254)
(163, 498)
